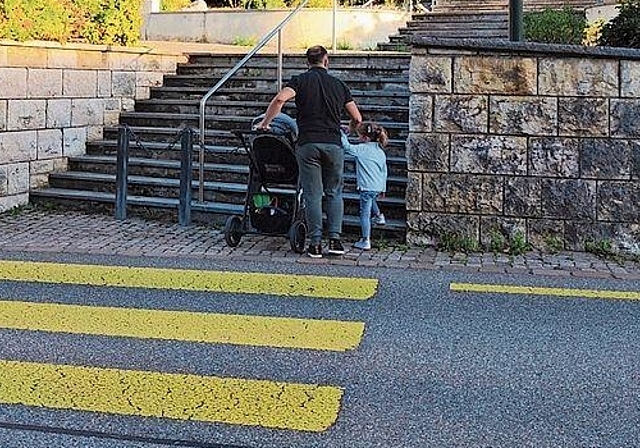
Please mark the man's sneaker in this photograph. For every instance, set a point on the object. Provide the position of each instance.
(314, 250)
(335, 247)
(379, 220)
(362, 244)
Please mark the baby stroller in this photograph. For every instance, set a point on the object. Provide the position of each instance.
(273, 203)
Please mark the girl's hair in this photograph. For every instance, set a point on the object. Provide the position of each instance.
(374, 132)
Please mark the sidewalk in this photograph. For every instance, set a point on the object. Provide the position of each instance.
(81, 233)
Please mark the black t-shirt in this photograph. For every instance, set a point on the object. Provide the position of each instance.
(320, 100)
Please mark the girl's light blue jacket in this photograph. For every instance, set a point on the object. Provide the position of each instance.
(371, 164)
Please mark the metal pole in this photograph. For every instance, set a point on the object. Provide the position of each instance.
(334, 45)
(515, 20)
(186, 153)
(279, 60)
(122, 159)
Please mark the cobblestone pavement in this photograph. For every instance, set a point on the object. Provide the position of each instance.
(33, 230)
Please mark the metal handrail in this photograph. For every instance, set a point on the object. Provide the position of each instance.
(230, 73)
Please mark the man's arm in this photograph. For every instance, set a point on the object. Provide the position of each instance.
(354, 113)
(275, 106)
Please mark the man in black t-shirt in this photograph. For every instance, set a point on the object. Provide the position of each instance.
(320, 99)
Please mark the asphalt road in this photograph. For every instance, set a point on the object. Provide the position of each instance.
(434, 368)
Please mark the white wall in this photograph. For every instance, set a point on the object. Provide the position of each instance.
(360, 28)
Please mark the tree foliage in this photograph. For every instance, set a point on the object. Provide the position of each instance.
(108, 22)
(624, 29)
(565, 26)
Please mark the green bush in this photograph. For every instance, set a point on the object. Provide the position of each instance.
(624, 29)
(564, 26)
(112, 22)
(107, 22)
(174, 5)
(35, 19)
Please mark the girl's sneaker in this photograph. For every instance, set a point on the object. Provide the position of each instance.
(362, 244)
(379, 220)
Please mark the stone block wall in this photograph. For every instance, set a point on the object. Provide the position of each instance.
(54, 98)
(508, 138)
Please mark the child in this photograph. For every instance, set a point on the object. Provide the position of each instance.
(371, 175)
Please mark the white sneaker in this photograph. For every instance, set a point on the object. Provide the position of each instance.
(379, 220)
(362, 244)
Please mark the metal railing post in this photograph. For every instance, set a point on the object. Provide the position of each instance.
(186, 165)
(122, 162)
(279, 70)
(515, 20)
(334, 26)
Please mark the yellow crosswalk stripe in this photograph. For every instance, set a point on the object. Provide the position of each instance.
(540, 291)
(265, 331)
(302, 407)
(195, 280)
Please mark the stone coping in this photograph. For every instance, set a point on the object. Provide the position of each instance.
(419, 41)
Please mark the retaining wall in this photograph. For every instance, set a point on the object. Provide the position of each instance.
(54, 98)
(359, 28)
(530, 139)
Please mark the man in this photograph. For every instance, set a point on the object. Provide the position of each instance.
(320, 99)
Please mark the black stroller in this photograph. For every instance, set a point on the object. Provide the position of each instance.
(273, 204)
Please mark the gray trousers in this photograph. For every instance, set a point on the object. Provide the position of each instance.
(321, 168)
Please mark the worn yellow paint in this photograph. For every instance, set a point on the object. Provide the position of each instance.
(265, 331)
(540, 291)
(186, 279)
(303, 407)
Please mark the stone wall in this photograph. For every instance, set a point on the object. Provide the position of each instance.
(54, 98)
(508, 138)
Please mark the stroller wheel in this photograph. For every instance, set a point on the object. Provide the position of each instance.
(297, 236)
(233, 231)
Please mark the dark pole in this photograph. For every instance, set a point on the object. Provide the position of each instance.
(515, 20)
(184, 207)
(122, 159)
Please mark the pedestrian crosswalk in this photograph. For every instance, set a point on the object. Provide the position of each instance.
(237, 401)
(544, 291)
(190, 279)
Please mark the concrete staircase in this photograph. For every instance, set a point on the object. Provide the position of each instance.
(379, 83)
(472, 19)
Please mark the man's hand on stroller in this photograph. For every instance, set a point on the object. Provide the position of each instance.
(262, 127)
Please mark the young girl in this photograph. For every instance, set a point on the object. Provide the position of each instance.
(371, 175)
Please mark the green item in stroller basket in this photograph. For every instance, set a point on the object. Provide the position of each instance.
(262, 200)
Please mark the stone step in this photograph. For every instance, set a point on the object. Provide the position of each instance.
(396, 130)
(360, 60)
(347, 74)
(268, 84)
(218, 156)
(219, 172)
(207, 212)
(158, 138)
(225, 191)
(469, 16)
(381, 97)
(255, 108)
(528, 5)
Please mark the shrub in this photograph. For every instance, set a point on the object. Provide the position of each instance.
(112, 22)
(109, 22)
(624, 29)
(174, 5)
(36, 19)
(564, 26)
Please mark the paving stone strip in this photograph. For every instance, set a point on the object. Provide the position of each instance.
(33, 230)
